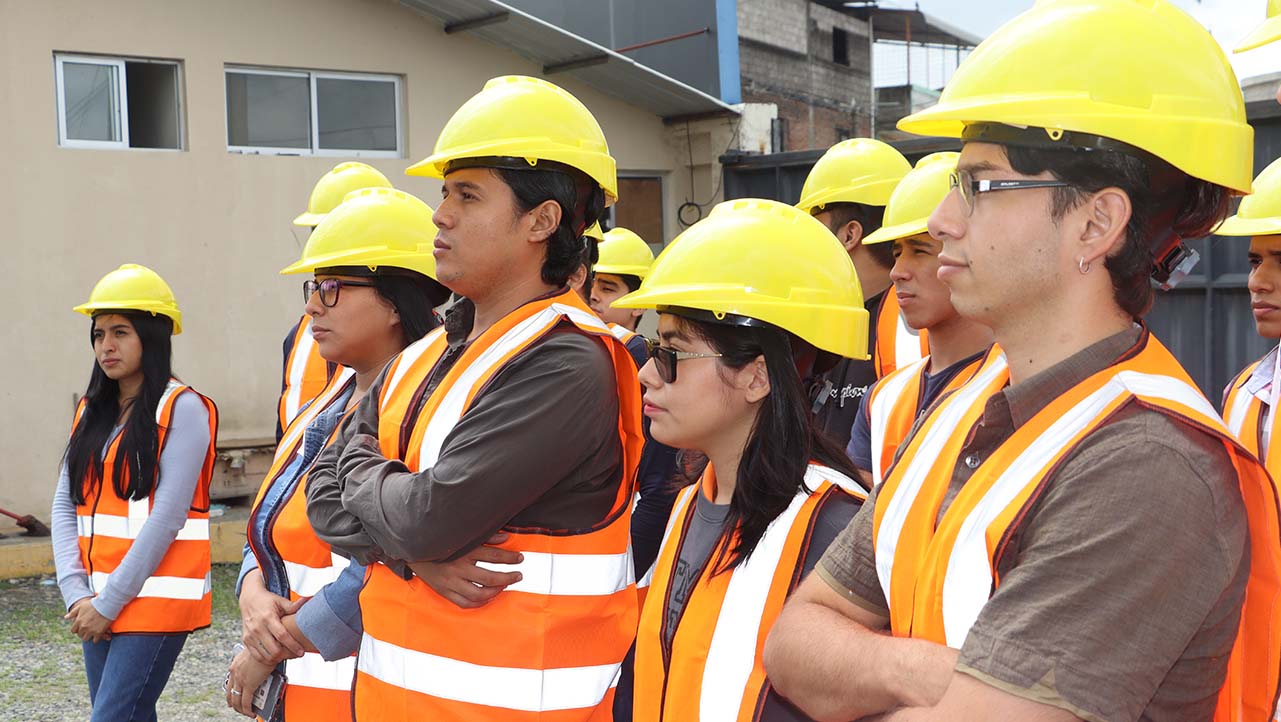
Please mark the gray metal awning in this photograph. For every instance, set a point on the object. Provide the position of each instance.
(559, 51)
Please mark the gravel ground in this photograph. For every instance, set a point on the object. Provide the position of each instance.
(42, 671)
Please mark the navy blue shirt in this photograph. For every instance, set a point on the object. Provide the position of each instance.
(654, 481)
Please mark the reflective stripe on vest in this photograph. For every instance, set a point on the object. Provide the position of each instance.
(622, 334)
(897, 344)
(938, 578)
(713, 670)
(306, 374)
(316, 690)
(547, 648)
(176, 597)
(1245, 414)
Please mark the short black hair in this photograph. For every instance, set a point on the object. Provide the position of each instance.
(870, 218)
(1167, 205)
(581, 201)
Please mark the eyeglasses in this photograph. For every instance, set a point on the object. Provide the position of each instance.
(964, 181)
(665, 359)
(328, 289)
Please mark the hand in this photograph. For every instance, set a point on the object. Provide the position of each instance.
(265, 637)
(465, 583)
(87, 623)
(245, 677)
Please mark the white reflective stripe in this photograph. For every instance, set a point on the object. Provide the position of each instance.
(620, 333)
(121, 527)
(1236, 414)
(818, 473)
(161, 587)
(311, 670)
(967, 584)
(303, 345)
(731, 655)
(170, 389)
(528, 690)
(450, 409)
(907, 343)
(302, 419)
(886, 394)
(946, 417)
(405, 361)
(584, 575)
(305, 581)
(678, 511)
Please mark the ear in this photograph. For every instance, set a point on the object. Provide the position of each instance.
(754, 380)
(637, 313)
(851, 235)
(1102, 224)
(545, 219)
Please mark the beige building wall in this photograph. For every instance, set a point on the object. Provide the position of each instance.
(215, 224)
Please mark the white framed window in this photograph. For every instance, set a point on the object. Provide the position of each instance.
(120, 103)
(301, 112)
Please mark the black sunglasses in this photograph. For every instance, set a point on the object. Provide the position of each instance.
(329, 289)
(665, 359)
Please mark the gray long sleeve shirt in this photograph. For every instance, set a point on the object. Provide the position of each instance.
(181, 460)
(539, 448)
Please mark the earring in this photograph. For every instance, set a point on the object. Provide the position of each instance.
(1082, 265)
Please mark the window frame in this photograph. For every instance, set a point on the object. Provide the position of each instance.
(119, 62)
(314, 116)
(122, 101)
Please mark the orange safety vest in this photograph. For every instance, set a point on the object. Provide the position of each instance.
(938, 579)
(897, 344)
(549, 648)
(713, 669)
(622, 334)
(306, 374)
(894, 404)
(316, 689)
(1243, 413)
(177, 596)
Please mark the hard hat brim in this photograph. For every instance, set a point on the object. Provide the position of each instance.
(1236, 226)
(847, 338)
(89, 309)
(871, 194)
(434, 165)
(886, 234)
(622, 270)
(372, 259)
(309, 219)
(1268, 32)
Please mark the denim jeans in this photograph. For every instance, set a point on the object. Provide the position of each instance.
(128, 672)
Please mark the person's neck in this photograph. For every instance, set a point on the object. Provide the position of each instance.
(725, 453)
(366, 374)
(873, 278)
(1036, 341)
(502, 300)
(955, 340)
(127, 389)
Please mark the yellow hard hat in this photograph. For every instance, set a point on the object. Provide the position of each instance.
(133, 288)
(920, 192)
(767, 261)
(594, 232)
(623, 253)
(858, 170)
(1268, 31)
(335, 185)
(517, 117)
(1141, 72)
(375, 228)
(1260, 212)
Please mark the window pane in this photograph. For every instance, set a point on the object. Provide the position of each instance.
(356, 114)
(270, 111)
(91, 101)
(640, 208)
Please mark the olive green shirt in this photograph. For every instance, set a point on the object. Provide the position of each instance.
(1121, 591)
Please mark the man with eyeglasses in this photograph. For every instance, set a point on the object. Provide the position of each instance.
(1074, 534)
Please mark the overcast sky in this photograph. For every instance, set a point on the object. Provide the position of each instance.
(1228, 20)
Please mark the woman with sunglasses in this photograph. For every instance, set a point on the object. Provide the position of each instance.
(372, 294)
(131, 509)
(748, 300)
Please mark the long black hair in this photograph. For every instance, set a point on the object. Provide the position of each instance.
(784, 437)
(137, 458)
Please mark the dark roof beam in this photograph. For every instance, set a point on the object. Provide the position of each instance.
(462, 26)
(568, 65)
